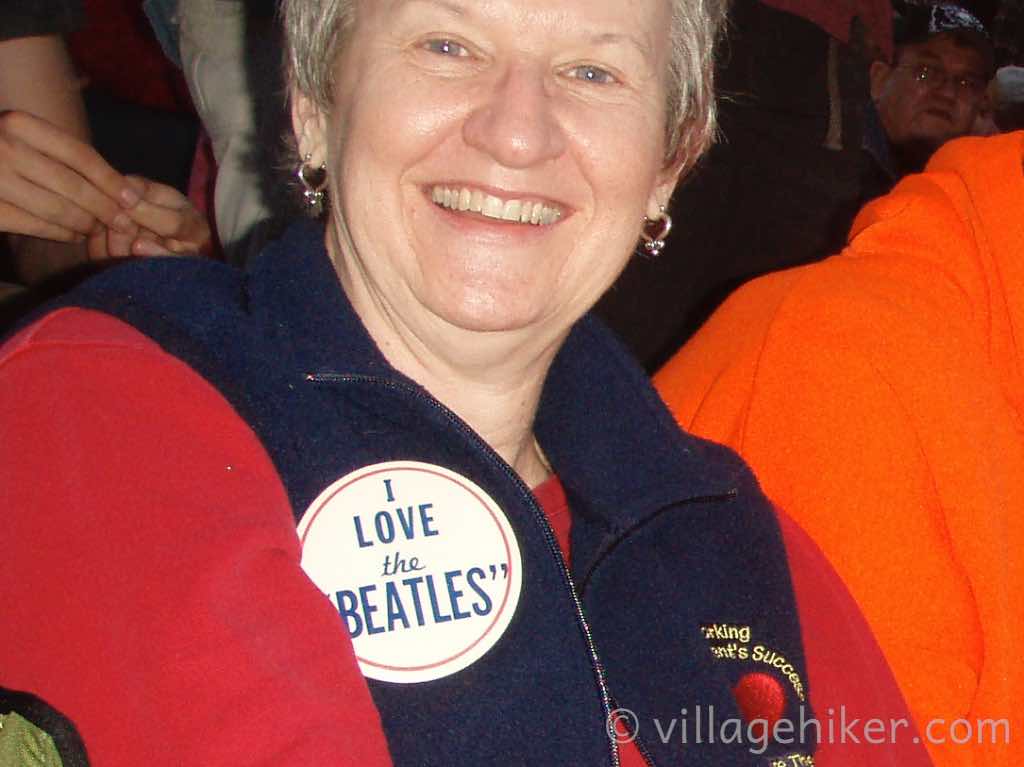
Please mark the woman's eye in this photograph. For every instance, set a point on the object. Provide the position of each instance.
(591, 74)
(446, 47)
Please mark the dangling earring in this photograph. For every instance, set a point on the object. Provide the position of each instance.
(314, 182)
(655, 231)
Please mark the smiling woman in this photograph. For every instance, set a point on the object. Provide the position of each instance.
(487, 101)
(392, 476)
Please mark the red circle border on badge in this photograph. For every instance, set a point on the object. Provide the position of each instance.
(485, 502)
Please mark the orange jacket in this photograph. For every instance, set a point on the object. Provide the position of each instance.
(878, 395)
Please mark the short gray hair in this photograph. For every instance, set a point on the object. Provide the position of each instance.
(316, 30)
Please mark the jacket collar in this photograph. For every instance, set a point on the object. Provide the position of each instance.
(609, 437)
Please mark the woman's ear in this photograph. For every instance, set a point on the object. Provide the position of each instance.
(678, 166)
(668, 178)
(309, 126)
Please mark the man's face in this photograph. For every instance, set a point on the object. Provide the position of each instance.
(932, 93)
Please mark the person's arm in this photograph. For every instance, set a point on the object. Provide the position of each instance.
(150, 568)
(847, 672)
(36, 76)
(872, 394)
(61, 201)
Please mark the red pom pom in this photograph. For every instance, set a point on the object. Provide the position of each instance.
(760, 696)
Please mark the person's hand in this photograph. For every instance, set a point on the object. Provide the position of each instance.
(164, 223)
(55, 187)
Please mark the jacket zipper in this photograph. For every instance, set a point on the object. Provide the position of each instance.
(501, 465)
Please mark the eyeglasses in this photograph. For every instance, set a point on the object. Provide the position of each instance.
(937, 77)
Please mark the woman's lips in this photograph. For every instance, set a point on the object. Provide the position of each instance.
(523, 211)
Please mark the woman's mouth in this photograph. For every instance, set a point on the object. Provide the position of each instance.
(477, 201)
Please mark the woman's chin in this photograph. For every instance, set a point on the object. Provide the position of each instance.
(490, 311)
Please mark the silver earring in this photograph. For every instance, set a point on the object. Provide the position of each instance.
(314, 182)
(655, 231)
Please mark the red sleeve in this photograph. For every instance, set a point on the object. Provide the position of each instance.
(150, 568)
(850, 680)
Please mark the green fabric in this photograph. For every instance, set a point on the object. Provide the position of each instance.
(22, 744)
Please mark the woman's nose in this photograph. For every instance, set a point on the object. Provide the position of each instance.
(516, 124)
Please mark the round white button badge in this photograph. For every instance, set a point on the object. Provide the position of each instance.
(421, 564)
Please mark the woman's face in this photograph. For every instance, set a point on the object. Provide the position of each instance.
(492, 160)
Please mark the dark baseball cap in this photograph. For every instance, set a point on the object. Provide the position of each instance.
(916, 22)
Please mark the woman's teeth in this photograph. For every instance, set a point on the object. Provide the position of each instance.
(475, 201)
